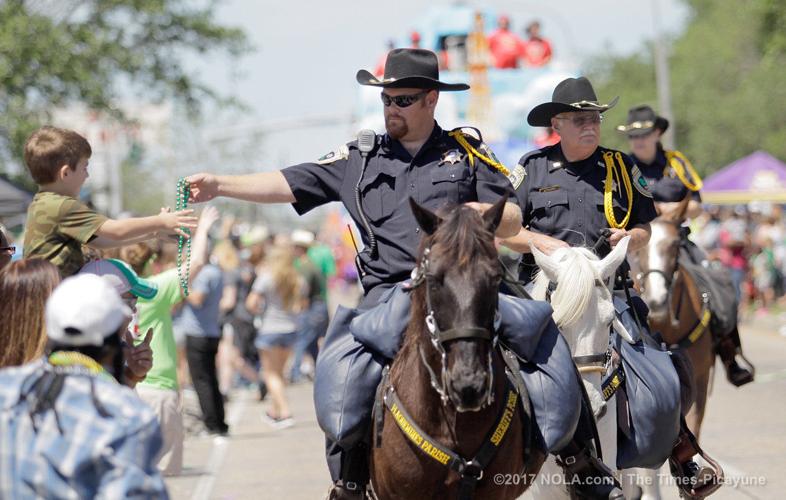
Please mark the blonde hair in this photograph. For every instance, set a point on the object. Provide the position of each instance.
(24, 287)
(280, 264)
(226, 256)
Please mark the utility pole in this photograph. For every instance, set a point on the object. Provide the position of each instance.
(662, 77)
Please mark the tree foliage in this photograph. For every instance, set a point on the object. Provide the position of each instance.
(727, 73)
(53, 52)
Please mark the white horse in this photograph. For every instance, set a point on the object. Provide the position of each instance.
(584, 312)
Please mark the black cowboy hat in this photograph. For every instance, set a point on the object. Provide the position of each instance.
(641, 121)
(573, 94)
(409, 68)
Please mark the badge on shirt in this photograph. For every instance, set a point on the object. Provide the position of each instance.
(517, 176)
(451, 156)
(613, 186)
(640, 183)
(342, 153)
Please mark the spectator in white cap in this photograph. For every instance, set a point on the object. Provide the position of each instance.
(130, 287)
(68, 429)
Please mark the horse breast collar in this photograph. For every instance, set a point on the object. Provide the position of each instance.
(470, 471)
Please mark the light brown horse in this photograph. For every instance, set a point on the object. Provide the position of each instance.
(680, 313)
(447, 390)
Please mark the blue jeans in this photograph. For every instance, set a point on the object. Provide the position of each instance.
(312, 324)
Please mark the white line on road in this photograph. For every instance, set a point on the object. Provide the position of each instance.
(217, 454)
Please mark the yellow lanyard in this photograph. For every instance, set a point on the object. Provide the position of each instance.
(611, 173)
(680, 163)
(472, 153)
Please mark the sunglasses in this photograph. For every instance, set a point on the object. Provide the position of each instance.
(583, 119)
(402, 101)
(8, 249)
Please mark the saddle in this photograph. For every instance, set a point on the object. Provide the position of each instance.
(717, 284)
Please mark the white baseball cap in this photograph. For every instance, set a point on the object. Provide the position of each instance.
(84, 310)
(302, 237)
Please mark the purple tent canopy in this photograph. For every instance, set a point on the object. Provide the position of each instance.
(756, 177)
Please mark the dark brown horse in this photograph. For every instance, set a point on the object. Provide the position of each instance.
(447, 396)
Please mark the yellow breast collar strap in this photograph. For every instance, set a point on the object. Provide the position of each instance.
(472, 153)
(616, 171)
(678, 162)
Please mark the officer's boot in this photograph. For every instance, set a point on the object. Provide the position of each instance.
(586, 476)
(354, 475)
(694, 482)
(728, 348)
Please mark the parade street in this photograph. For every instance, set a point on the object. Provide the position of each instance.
(744, 430)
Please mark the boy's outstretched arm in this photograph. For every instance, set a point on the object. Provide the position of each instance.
(122, 232)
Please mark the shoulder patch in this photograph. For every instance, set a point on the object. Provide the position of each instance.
(340, 153)
(640, 183)
(517, 176)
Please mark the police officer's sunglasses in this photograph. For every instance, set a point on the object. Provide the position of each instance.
(582, 119)
(10, 250)
(402, 101)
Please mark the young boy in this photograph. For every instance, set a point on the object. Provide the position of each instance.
(58, 224)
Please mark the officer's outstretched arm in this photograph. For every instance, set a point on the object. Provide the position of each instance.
(523, 241)
(266, 187)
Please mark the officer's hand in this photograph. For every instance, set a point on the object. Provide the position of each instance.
(547, 244)
(480, 207)
(204, 187)
(616, 236)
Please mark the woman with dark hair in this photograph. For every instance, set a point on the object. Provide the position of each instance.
(24, 287)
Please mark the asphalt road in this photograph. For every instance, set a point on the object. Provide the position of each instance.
(745, 429)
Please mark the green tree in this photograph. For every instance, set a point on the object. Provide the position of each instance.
(53, 52)
(727, 70)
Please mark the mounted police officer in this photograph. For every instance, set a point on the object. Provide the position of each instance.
(576, 193)
(671, 178)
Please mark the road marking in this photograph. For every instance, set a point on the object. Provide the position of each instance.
(204, 487)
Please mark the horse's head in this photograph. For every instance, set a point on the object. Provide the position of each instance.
(458, 277)
(658, 261)
(581, 295)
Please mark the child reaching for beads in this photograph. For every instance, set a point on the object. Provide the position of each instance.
(58, 223)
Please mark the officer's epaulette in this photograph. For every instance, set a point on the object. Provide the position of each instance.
(476, 148)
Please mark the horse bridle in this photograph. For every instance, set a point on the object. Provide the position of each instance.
(420, 276)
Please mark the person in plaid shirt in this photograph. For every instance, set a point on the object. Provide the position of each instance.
(68, 428)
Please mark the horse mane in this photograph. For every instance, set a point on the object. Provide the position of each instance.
(575, 285)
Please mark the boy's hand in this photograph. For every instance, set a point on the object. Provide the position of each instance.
(204, 187)
(174, 222)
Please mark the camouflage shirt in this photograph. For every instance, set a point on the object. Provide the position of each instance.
(57, 227)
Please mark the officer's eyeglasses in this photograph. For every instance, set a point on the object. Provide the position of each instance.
(402, 101)
(10, 250)
(582, 119)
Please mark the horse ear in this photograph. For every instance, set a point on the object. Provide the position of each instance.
(427, 220)
(546, 263)
(493, 216)
(608, 266)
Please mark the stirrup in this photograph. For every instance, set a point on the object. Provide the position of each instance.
(695, 482)
(582, 465)
(352, 491)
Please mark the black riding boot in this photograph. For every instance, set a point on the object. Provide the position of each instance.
(586, 476)
(354, 475)
(728, 348)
